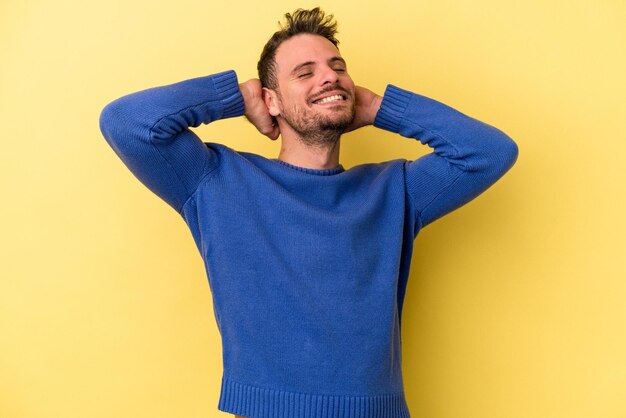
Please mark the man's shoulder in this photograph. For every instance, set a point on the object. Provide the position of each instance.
(224, 150)
(379, 166)
(233, 155)
(216, 146)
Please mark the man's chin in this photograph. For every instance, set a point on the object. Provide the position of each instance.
(337, 112)
(337, 124)
(330, 123)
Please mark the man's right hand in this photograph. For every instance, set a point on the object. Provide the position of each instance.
(256, 111)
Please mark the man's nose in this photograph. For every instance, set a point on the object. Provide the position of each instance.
(329, 75)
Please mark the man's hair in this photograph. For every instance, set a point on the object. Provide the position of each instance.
(313, 21)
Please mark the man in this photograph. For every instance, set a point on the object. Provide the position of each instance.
(307, 262)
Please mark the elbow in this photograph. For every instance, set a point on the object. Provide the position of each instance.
(111, 119)
(503, 155)
(509, 151)
(121, 120)
(495, 155)
(107, 119)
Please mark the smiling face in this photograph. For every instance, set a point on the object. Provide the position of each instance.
(315, 95)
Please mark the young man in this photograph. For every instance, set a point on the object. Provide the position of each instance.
(307, 262)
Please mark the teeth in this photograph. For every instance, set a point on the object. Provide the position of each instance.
(330, 99)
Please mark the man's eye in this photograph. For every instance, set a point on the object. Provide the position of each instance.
(304, 75)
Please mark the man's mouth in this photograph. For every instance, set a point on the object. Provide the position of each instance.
(329, 99)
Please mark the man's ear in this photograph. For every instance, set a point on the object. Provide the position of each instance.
(271, 101)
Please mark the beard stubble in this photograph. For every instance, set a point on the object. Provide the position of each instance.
(317, 130)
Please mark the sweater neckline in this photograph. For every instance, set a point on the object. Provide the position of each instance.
(322, 172)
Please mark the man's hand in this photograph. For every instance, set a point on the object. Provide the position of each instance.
(256, 110)
(367, 105)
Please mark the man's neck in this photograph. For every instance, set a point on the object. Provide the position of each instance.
(308, 157)
(318, 157)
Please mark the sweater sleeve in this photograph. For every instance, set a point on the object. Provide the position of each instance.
(149, 131)
(468, 155)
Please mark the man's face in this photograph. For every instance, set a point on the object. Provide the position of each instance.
(315, 94)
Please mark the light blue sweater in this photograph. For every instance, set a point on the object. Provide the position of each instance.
(307, 268)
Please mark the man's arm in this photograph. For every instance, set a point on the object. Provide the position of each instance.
(149, 131)
(468, 157)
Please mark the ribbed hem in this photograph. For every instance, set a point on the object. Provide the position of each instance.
(227, 88)
(395, 102)
(255, 402)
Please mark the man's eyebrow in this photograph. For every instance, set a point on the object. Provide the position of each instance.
(335, 59)
(299, 66)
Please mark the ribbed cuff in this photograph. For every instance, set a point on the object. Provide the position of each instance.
(227, 87)
(255, 402)
(395, 102)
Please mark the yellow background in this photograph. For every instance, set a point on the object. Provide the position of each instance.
(516, 305)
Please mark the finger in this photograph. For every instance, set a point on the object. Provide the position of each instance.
(267, 128)
(273, 135)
